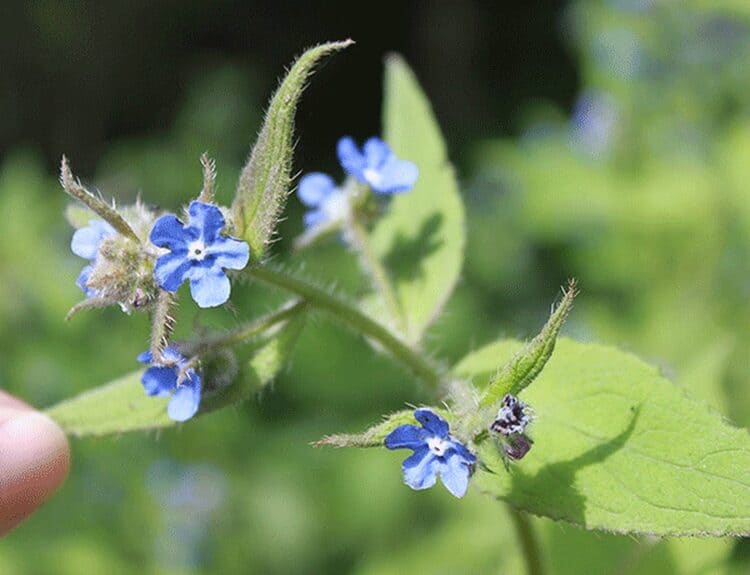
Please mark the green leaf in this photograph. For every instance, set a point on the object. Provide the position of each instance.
(122, 405)
(618, 447)
(375, 435)
(526, 365)
(421, 239)
(115, 407)
(265, 180)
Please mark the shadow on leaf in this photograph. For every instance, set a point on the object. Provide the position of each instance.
(406, 256)
(551, 491)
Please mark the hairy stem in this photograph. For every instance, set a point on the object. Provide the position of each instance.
(161, 325)
(529, 543)
(209, 179)
(374, 267)
(249, 330)
(354, 319)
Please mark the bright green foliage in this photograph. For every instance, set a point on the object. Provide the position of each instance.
(526, 365)
(265, 180)
(620, 448)
(421, 238)
(121, 405)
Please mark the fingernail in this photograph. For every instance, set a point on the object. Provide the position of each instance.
(34, 461)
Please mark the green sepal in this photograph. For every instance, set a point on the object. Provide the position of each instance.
(109, 214)
(265, 181)
(526, 365)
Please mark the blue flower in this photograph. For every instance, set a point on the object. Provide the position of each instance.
(86, 243)
(199, 253)
(328, 203)
(160, 380)
(377, 166)
(436, 452)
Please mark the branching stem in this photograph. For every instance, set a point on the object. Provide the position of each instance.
(355, 320)
(360, 240)
(249, 330)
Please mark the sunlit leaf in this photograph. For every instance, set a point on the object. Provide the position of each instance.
(618, 447)
(122, 405)
(421, 239)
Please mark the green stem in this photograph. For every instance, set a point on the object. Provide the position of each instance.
(354, 319)
(374, 267)
(529, 543)
(251, 329)
(161, 325)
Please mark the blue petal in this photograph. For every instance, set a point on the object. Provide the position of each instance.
(420, 469)
(208, 219)
(314, 188)
(314, 218)
(229, 252)
(159, 380)
(83, 280)
(454, 474)
(396, 176)
(377, 153)
(460, 449)
(86, 241)
(171, 270)
(169, 353)
(432, 422)
(210, 288)
(350, 158)
(186, 400)
(406, 436)
(168, 232)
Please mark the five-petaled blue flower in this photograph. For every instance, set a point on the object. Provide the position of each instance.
(327, 202)
(85, 243)
(436, 452)
(377, 166)
(161, 380)
(199, 253)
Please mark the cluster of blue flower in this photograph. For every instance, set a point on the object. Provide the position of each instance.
(196, 252)
(375, 165)
(199, 252)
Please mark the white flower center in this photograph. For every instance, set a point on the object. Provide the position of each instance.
(197, 250)
(437, 446)
(372, 176)
(336, 207)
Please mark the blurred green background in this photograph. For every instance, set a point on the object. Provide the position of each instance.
(605, 140)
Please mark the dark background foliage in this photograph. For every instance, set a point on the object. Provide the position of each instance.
(77, 75)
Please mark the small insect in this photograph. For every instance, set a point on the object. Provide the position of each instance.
(510, 423)
(511, 417)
